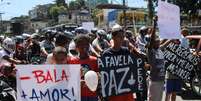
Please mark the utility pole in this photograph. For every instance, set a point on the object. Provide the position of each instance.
(124, 13)
(1, 23)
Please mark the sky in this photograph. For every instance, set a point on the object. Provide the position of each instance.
(22, 7)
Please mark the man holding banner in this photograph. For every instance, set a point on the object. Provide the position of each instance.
(121, 71)
(157, 62)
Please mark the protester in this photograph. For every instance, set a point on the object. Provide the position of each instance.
(184, 41)
(20, 52)
(7, 76)
(174, 83)
(6, 92)
(72, 46)
(141, 39)
(100, 43)
(157, 62)
(129, 36)
(117, 49)
(47, 45)
(59, 55)
(7, 52)
(33, 48)
(87, 62)
(62, 41)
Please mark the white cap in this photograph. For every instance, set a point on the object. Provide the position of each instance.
(143, 28)
(60, 49)
(116, 27)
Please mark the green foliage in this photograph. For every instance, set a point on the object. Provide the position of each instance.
(61, 3)
(94, 12)
(55, 10)
(77, 4)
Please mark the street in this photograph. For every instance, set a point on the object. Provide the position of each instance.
(186, 95)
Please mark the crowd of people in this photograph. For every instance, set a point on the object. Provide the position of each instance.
(80, 47)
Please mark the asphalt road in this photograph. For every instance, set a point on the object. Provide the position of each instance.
(186, 95)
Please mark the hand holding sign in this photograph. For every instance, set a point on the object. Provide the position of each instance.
(91, 80)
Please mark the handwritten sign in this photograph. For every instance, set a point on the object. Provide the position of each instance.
(169, 20)
(88, 26)
(179, 61)
(48, 82)
(121, 74)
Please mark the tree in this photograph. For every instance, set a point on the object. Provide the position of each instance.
(56, 10)
(61, 3)
(73, 5)
(77, 5)
(188, 7)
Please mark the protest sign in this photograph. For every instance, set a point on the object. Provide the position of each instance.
(88, 26)
(180, 61)
(121, 74)
(48, 83)
(169, 20)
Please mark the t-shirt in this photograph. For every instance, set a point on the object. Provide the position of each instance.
(124, 97)
(157, 61)
(141, 43)
(86, 64)
(184, 42)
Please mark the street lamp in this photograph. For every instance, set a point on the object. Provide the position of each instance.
(1, 22)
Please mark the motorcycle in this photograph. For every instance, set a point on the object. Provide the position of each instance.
(196, 81)
(6, 92)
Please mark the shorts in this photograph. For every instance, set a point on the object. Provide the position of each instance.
(84, 98)
(173, 86)
(155, 90)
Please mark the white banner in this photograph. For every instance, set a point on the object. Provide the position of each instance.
(48, 83)
(169, 21)
(88, 26)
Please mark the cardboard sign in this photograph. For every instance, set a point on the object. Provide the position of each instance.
(180, 61)
(48, 83)
(121, 74)
(169, 21)
(88, 26)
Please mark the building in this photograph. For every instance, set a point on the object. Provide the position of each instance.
(135, 18)
(94, 3)
(75, 17)
(40, 12)
(36, 25)
(25, 24)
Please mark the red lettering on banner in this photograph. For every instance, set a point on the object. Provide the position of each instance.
(64, 76)
(48, 77)
(39, 74)
(55, 76)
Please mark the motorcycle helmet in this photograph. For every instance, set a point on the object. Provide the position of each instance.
(9, 45)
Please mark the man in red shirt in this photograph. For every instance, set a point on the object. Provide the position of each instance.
(87, 62)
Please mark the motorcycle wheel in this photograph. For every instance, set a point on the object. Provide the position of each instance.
(196, 85)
